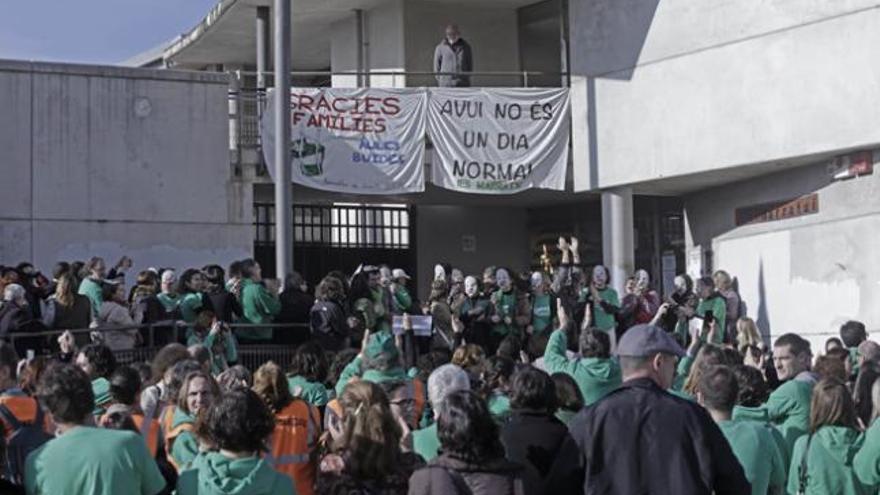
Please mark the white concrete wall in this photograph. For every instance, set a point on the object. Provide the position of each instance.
(501, 239)
(491, 31)
(383, 46)
(108, 161)
(807, 274)
(690, 86)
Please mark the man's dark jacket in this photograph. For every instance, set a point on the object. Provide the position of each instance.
(641, 439)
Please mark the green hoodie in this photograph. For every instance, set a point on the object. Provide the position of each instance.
(353, 369)
(92, 290)
(762, 460)
(258, 306)
(867, 461)
(499, 406)
(185, 447)
(170, 302)
(426, 442)
(596, 377)
(190, 304)
(829, 463)
(213, 473)
(718, 306)
(312, 392)
(787, 408)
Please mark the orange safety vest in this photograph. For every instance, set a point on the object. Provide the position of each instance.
(24, 409)
(297, 428)
(149, 430)
(170, 433)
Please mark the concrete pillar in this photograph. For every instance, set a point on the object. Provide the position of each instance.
(617, 235)
(283, 186)
(263, 43)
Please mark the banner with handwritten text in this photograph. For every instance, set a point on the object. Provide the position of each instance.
(499, 140)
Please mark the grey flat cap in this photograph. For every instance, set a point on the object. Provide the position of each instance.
(646, 340)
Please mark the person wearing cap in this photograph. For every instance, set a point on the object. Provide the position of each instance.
(401, 300)
(642, 439)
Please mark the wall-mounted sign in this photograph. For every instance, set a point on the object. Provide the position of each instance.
(778, 210)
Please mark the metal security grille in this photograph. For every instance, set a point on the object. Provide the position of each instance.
(339, 237)
(342, 225)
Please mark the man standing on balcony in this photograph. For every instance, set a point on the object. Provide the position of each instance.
(453, 60)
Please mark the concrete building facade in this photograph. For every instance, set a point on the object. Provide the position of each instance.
(115, 161)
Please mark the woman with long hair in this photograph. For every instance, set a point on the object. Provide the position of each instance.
(307, 374)
(197, 393)
(822, 460)
(709, 355)
(472, 458)
(66, 309)
(297, 428)
(365, 454)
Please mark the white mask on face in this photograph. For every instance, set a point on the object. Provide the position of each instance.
(600, 276)
(457, 276)
(439, 273)
(642, 280)
(536, 280)
(470, 286)
(680, 284)
(502, 278)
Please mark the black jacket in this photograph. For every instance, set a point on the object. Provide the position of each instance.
(533, 439)
(447, 475)
(225, 305)
(641, 439)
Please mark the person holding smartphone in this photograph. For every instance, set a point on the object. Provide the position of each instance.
(712, 307)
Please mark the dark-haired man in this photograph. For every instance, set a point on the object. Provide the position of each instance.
(84, 459)
(752, 442)
(788, 407)
(595, 373)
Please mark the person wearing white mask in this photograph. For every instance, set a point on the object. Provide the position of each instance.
(543, 306)
(453, 60)
(474, 312)
(604, 302)
(508, 314)
(641, 305)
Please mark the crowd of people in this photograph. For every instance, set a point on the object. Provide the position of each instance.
(525, 383)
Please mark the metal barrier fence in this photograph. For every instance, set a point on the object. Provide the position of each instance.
(160, 333)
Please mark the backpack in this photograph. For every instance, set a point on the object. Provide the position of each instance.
(25, 438)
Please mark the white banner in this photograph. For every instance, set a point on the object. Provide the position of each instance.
(353, 140)
(499, 141)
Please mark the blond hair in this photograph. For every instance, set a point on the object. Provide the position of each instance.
(271, 385)
(747, 334)
(722, 280)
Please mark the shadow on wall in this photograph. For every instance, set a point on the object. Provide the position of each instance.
(610, 36)
(607, 44)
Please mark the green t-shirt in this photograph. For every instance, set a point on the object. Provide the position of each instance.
(93, 461)
(92, 290)
(426, 443)
(602, 320)
(505, 307)
(762, 460)
(718, 306)
(402, 299)
(101, 390)
(383, 319)
(311, 392)
(212, 473)
(542, 314)
(829, 463)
